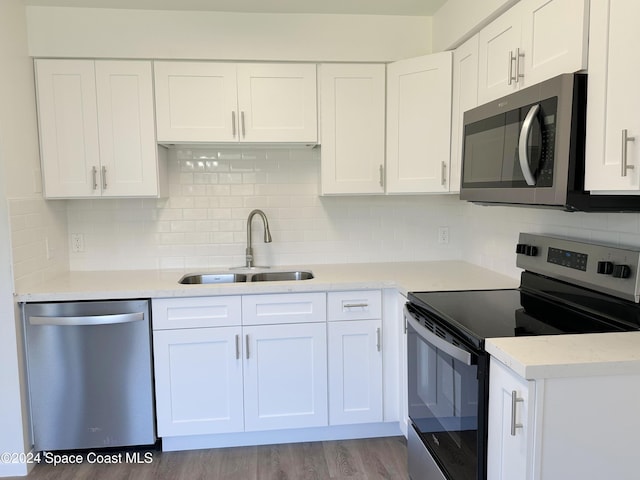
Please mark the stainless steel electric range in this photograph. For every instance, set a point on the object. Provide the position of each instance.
(566, 287)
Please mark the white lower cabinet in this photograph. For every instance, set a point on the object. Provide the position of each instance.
(285, 376)
(509, 426)
(355, 356)
(355, 372)
(560, 426)
(251, 364)
(198, 381)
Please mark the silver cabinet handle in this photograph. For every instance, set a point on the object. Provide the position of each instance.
(625, 143)
(94, 173)
(355, 305)
(522, 145)
(443, 174)
(104, 178)
(244, 133)
(515, 59)
(514, 402)
(88, 319)
(378, 339)
(237, 347)
(246, 344)
(381, 176)
(518, 56)
(511, 59)
(233, 124)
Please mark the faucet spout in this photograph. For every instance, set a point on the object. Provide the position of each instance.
(267, 234)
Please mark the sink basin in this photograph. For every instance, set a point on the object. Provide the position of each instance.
(213, 278)
(207, 278)
(281, 276)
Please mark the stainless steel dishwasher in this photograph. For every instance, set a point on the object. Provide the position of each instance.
(90, 374)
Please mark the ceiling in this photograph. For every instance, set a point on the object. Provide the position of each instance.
(358, 7)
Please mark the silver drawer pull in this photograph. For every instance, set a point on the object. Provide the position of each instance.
(355, 305)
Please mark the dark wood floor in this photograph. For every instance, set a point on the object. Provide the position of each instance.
(368, 459)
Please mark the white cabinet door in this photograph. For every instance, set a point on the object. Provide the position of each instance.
(554, 38)
(352, 113)
(533, 41)
(68, 126)
(499, 44)
(509, 424)
(198, 378)
(128, 161)
(277, 102)
(97, 135)
(285, 376)
(419, 124)
(465, 97)
(196, 102)
(613, 98)
(355, 372)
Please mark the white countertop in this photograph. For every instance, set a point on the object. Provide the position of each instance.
(405, 277)
(555, 356)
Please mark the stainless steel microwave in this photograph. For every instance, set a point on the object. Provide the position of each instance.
(528, 148)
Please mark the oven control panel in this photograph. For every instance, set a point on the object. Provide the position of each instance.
(605, 268)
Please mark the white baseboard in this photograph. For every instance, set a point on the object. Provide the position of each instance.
(342, 432)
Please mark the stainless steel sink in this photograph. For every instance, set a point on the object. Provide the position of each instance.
(207, 278)
(281, 276)
(213, 278)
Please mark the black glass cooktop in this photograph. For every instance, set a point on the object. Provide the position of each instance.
(541, 306)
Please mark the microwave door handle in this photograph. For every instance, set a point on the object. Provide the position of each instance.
(525, 132)
(436, 341)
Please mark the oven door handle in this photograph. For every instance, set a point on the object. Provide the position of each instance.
(433, 339)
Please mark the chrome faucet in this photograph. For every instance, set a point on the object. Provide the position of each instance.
(267, 234)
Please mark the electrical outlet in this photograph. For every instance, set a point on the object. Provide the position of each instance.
(77, 243)
(443, 235)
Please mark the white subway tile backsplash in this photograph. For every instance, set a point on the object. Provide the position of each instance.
(202, 225)
(212, 191)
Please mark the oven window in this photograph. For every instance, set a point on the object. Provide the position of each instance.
(443, 406)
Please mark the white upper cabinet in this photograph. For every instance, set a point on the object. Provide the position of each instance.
(613, 98)
(352, 113)
(97, 135)
(465, 97)
(227, 102)
(196, 101)
(277, 102)
(533, 41)
(419, 124)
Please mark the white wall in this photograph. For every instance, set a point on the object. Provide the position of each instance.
(124, 33)
(17, 140)
(495, 231)
(457, 20)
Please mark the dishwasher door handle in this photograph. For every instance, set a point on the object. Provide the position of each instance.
(88, 319)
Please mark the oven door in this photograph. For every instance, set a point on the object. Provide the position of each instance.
(446, 400)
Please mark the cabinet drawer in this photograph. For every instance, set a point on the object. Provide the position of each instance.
(284, 308)
(355, 305)
(169, 313)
